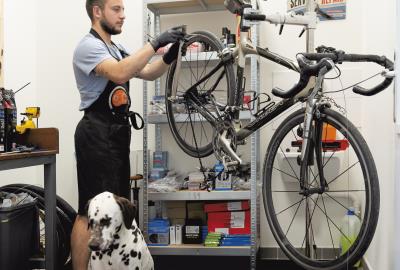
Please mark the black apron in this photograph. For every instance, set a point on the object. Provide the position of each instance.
(102, 142)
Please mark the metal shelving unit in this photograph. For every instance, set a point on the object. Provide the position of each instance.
(161, 7)
(199, 196)
(200, 250)
(162, 118)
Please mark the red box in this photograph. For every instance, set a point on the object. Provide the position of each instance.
(226, 206)
(229, 222)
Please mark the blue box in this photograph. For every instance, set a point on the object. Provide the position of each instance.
(158, 234)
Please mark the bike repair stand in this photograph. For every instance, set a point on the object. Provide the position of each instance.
(135, 194)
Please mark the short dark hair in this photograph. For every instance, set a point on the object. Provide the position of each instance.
(90, 4)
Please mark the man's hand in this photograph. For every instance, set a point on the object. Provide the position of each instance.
(170, 36)
(171, 54)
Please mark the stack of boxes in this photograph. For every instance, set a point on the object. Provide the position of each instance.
(213, 239)
(186, 228)
(236, 240)
(160, 165)
(230, 218)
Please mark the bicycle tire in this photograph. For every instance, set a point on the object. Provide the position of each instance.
(274, 181)
(205, 149)
(64, 219)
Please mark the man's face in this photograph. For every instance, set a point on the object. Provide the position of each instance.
(112, 17)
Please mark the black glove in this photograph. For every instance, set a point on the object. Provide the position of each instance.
(171, 54)
(170, 36)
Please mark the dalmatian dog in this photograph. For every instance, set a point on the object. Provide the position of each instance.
(116, 241)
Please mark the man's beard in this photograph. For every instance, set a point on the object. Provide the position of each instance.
(108, 29)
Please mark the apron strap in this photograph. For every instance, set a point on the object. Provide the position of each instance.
(133, 116)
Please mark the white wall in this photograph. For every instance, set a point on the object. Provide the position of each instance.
(40, 37)
(20, 68)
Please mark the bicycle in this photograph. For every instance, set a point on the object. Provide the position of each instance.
(306, 189)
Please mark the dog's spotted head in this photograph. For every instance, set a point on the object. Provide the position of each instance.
(107, 214)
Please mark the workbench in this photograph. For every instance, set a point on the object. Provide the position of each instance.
(46, 139)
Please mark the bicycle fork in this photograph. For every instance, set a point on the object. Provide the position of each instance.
(312, 136)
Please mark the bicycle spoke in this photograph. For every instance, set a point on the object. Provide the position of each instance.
(346, 190)
(291, 222)
(191, 70)
(315, 246)
(333, 152)
(290, 165)
(294, 177)
(309, 220)
(197, 64)
(295, 135)
(315, 178)
(284, 191)
(299, 202)
(329, 227)
(337, 177)
(205, 133)
(187, 118)
(205, 66)
(347, 209)
(334, 224)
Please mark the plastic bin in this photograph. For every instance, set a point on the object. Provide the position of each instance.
(19, 235)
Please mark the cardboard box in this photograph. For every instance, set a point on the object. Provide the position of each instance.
(226, 206)
(176, 213)
(177, 221)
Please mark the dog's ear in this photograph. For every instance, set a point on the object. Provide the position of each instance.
(128, 210)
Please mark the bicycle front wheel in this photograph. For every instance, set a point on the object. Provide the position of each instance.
(310, 226)
(190, 129)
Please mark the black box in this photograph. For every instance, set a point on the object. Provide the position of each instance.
(192, 231)
(19, 235)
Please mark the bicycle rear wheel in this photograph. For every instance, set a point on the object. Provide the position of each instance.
(307, 227)
(190, 129)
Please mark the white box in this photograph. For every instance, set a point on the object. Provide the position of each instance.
(178, 234)
(172, 235)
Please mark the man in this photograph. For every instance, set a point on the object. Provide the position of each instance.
(102, 137)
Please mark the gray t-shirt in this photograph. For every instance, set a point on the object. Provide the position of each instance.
(90, 52)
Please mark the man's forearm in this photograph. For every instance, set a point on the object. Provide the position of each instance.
(133, 65)
(154, 70)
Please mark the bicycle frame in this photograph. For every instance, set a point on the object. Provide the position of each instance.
(244, 48)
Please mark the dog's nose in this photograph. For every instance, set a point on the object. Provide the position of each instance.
(94, 247)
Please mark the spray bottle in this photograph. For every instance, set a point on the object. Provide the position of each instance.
(350, 229)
